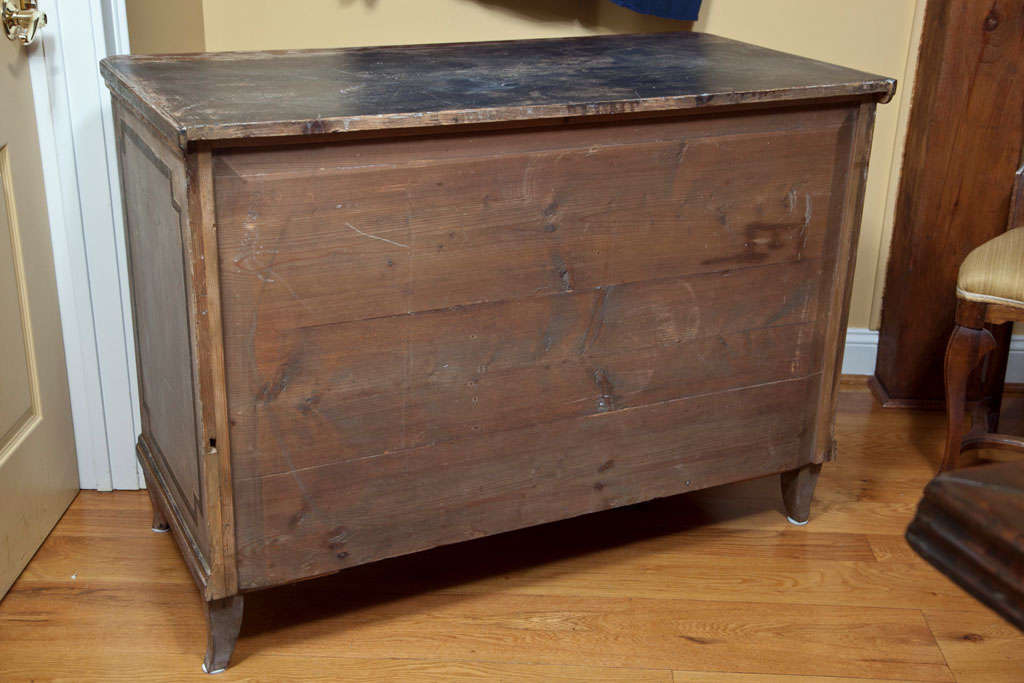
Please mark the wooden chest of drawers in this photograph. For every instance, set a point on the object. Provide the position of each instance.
(393, 298)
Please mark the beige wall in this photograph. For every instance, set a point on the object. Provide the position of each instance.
(259, 24)
(880, 36)
(159, 26)
(874, 35)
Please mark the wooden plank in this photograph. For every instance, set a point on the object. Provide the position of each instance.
(155, 667)
(395, 503)
(845, 255)
(516, 214)
(215, 443)
(963, 147)
(85, 561)
(663, 575)
(717, 677)
(337, 392)
(672, 633)
(308, 620)
(207, 97)
(977, 645)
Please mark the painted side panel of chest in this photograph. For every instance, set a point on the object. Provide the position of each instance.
(156, 220)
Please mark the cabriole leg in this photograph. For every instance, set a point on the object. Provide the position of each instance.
(225, 617)
(797, 492)
(966, 347)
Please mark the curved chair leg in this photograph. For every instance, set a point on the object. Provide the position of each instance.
(967, 346)
(225, 617)
(797, 492)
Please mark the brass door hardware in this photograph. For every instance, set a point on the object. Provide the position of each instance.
(21, 23)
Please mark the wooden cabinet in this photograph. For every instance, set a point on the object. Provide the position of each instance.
(392, 298)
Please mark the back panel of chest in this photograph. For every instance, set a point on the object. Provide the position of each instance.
(430, 339)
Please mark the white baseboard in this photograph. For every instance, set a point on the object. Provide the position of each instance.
(862, 346)
(861, 349)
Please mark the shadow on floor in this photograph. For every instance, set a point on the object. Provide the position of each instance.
(463, 563)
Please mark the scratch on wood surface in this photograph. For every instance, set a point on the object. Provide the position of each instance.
(527, 173)
(293, 471)
(802, 238)
(607, 400)
(376, 237)
(692, 322)
(596, 319)
(291, 290)
(565, 276)
(271, 390)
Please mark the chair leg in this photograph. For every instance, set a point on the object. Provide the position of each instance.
(966, 347)
(995, 374)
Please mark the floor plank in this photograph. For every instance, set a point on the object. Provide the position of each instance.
(979, 646)
(712, 586)
(702, 677)
(159, 668)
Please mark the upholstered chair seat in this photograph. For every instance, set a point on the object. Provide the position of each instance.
(994, 272)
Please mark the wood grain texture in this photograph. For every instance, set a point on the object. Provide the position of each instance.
(964, 143)
(237, 95)
(130, 613)
(322, 519)
(338, 392)
(844, 261)
(209, 347)
(507, 298)
(969, 525)
(441, 221)
(978, 647)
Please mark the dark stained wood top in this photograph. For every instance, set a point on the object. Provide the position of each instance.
(220, 96)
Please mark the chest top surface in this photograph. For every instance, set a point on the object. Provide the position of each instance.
(219, 96)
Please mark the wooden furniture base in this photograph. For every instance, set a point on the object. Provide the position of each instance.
(388, 299)
(225, 622)
(886, 400)
(970, 344)
(970, 526)
(798, 490)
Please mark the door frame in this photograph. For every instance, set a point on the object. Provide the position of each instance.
(79, 159)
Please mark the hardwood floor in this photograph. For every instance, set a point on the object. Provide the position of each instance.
(710, 586)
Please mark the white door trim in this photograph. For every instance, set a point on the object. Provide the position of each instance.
(83, 197)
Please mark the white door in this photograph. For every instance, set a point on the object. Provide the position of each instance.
(38, 472)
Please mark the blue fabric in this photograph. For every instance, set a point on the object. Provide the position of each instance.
(670, 9)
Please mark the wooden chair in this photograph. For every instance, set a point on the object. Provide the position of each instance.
(990, 291)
